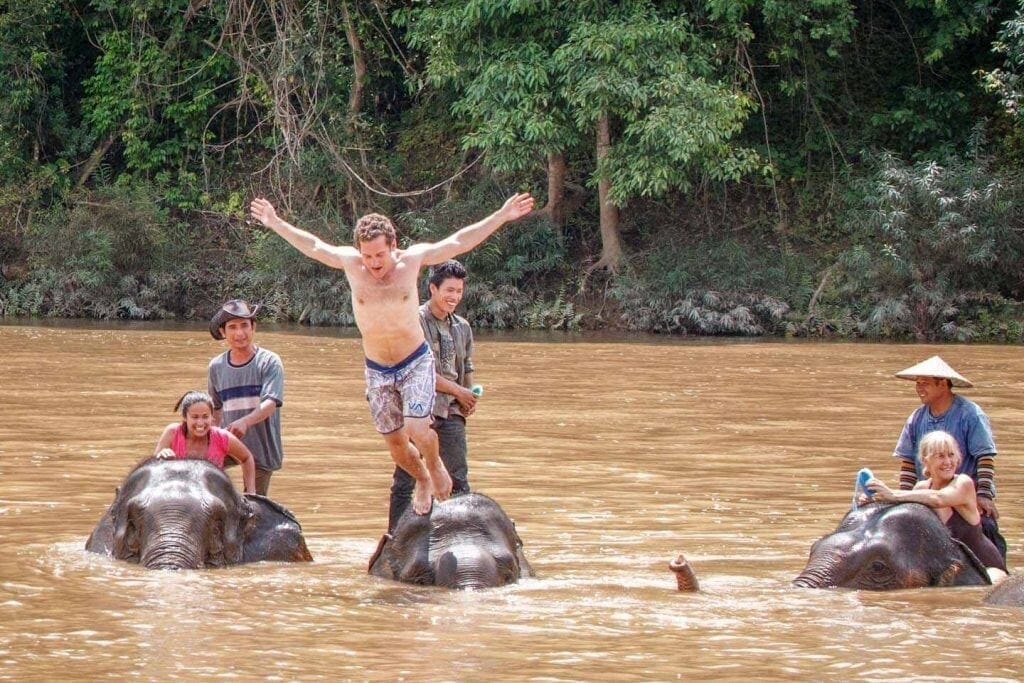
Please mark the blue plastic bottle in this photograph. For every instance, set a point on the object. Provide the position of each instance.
(860, 485)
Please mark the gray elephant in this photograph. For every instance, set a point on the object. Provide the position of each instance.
(885, 547)
(186, 514)
(464, 542)
(1009, 593)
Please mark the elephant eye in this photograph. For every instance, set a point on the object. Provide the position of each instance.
(879, 575)
(131, 541)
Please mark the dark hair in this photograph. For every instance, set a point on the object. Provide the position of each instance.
(443, 271)
(371, 226)
(189, 399)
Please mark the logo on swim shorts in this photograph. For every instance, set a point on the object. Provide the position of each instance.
(416, 407)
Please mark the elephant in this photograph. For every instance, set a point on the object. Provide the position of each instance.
(465, 542)
(186, 514)
(1009, 593)
(884, 547)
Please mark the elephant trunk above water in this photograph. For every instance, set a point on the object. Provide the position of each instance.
(686, 580)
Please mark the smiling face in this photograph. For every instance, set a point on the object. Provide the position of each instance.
(444, 299)
(239, 333)
(940, 456)
(378, 255)
(933, 390)
(199, 419)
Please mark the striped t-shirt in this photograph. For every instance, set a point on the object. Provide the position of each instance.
(237, 390)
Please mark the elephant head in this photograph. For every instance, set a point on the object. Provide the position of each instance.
(1009, 593)
(186, 514)
(885, 547)
(466, 542)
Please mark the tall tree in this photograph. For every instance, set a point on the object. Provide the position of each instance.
(537, 80)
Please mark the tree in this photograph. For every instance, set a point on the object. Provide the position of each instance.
(536, 80)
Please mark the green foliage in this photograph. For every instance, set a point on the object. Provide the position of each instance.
(1007, 81)
(534, 78)
(930, 237)
(705, 312)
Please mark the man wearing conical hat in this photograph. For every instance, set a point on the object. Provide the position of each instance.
(941, 409)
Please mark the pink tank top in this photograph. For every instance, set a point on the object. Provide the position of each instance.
(216, 450)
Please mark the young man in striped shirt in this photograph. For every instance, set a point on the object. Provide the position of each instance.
(246, 383)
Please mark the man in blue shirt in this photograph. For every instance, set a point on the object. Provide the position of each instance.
(941, 409)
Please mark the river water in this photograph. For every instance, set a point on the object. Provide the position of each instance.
(612, 456)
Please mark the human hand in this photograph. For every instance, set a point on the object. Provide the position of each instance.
(880, 493)
(987, 507)
(263, 211)
(165, 454)
(238, 427)
(467, 401)
(516, 206)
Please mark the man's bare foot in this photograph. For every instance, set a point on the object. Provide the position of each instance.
(440, 478)
(421, 501)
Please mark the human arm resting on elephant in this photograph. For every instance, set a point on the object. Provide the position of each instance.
(958, 492)
(163, 449)
(514, 208)
(240, 426)
(243, 456)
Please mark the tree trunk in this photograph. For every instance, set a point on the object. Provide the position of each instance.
(355, 96)
(555, 208)
(95, 158)
(611, 244)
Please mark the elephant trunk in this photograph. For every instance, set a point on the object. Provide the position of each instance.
(686, 580)
(171, 550)
(466, 567)
(819, 574)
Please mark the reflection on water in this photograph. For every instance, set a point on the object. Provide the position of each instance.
(612, 456)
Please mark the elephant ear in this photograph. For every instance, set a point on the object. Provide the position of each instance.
(272, 533)
(948, 577)
(236, 528)
(126, 544)
(525, 569)
(970, 560)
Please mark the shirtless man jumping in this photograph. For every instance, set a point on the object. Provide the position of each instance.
(399, 364)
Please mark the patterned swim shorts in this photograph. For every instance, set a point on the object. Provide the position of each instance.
(402, 390)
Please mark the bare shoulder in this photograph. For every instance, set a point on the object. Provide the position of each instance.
(412, 257)
(416, 251)
(346, 257)
(964, 481)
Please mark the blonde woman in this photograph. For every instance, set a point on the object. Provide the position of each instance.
(950, 495)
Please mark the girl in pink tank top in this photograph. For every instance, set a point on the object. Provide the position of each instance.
(197, 437)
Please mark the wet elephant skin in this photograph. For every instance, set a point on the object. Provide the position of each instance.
(186, 514)
(466, 542)
(886, 547)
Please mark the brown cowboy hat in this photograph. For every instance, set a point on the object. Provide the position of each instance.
(236, 308)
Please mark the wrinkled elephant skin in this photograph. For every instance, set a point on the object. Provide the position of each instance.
(466, 542)
(1009, 593)
(186, 514)
(886, 547)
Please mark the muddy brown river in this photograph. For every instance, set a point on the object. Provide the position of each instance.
(612, 455)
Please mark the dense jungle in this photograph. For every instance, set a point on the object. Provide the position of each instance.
(818, 168)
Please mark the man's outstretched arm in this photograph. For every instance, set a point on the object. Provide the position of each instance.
(308, 243)
(514, 208)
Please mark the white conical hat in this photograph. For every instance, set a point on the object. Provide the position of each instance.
(934, 367)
